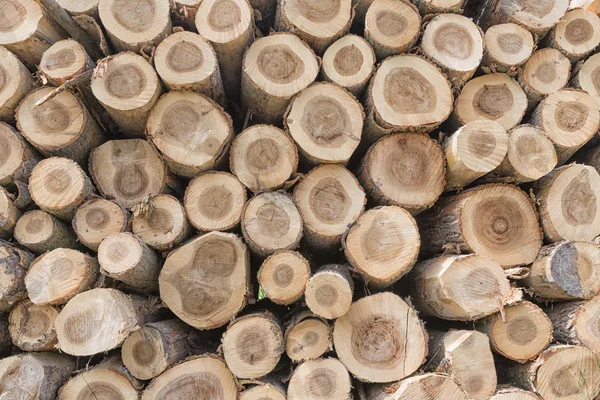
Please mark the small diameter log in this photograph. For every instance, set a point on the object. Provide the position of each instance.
(267, 83)
(406, 170)
(31, 326)
(17, 157)
(520, 332)
(263, 157)
(58, 275)
(152, 349)
(40, 231)
(535, 17)
(203, 376)
(128, 171)
(590, 5)
(494, 97)
(283, 276)
(512, 393)
(63, 61)
(205, 281)
(324, 378)
(58, 186)
(362, 338)
(507, 47)
(9, 214)
(588, 77)
(421, 386)
(307, 337)
(124, 257)
(61, 127)
(575, 35)
(229, 27)
(349, 62)
(569, 203)
(271, 222)
(546, 72)
(259, 390)
(165, 227)
(79, 7)
(467, 357)
(570, 118)
(14, 263)
(383, 245)
(127, 87)
(577, 322)
(427, 7)
(461, 288)
(329, 291)
(497, 221)
(252, 345)
(192, 132)
(319, 26)
(326, 123)
(214, 201)
(20, 193)
(565, 271)
(439, 44)
(37, 376)
(391, 104)
(97, 218)
(15, 83)
(187, 61)
(329, 199)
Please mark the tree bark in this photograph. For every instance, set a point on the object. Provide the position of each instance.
(14, 89)
(421, 386)
(14, 263)
(323, 377)
(39, 232)
(576, 322)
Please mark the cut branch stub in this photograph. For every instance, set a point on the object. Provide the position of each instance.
(588, 77)
(507, 46)
(577, 322)
(31, 326)
(576, 34)
(434, 385)
(15, 83)
(40, 231)
(97, 218)
(64, 61)
(329, 291)
(100, 383)
(9, 214)
(538, 17)
(372, 339)
(546, 72)
(17, 157)
(307, 337)
(14, 263)
(283, 276)
(324, 378)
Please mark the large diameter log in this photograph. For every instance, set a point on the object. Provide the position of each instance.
(329, 291)
(587, 77)
(462, 288)
(205, 281)
(63, 61)
(577, 322)
(31, 326)
(203, 376)
(61, 126)
(534, 16)
(372, 339)
(15, 83)
(214, 201)
(17, 157)
(326, 123)
(283, 276)
(507, 47)
(40, 231)
(404, 169)
(267, 83)
(569, 203)
(79, 7)
(97, 218)
(382, 245)
(497, 221)
(324, 378)
(575, 35)
(187, 61)
(127, 87)
(14, 263)
(307, 337)
(329, 199)
(466, 356)
(512, 393)
(191, 131)
(519, 332)
(421, 386)
(127, 171)
(9, 214)
(546, 72)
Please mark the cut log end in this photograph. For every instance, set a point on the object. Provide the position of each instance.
(307, 337)
(507, 46)
(40, 231)
(588, 76)
(98, 383)
(263, 392)
(329, 291)
(577, 322)
(31, 326)
(78, 7)
(165, 227)
(433, 385)
(546, 71)
(575, 34)
(223, 21)
(17, 158)
(16, 83)
(535, 17)
(64, 60)
(318, 379)
(283, 276)
(97, 218)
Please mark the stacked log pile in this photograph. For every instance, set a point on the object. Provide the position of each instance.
(303, 200)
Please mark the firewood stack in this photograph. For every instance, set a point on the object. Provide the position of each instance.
(303, 200)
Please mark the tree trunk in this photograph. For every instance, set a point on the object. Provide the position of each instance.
(585, 78)
(14, 89)
(283, 276)
(39, 232)
(14, 263)
(507, 47)
(545, 72)
(98, 218)
(9, 214)
(323, 378)
(79, 7)
(307, 337)
(329, 291)
(421, 386)
(31, 326)
(577, 322)
(575, 35)
(64, 61)
(17, 158)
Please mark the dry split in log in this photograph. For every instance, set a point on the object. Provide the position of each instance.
(307, 337)
(97, 218)
(324, 378)
(507, 47)
(422, 386)
(16, 83)
(64, 61)
(40, 231)
(283, 276)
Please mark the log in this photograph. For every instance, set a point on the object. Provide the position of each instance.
(591, 157)
(565, 271)
(9, 214)
(274, 69)
(165, 227)
(329, 199)
(382, 245)
(17, 157)
(421, 386)
(214, 201)
(271, 222)
(98, 218)
(134, 26)
(512, 393)
(568, 203)
(545, 72)
(466, 356)
(60, 127)
(124, 257)
(39, 231)
(326, 123)
(415, 179)
(576, 322)
(283, 276)
(307, 337)
(127, 87)
(461, 287)
(349, 62)
(585, 78)
(22, 197)
(183, 12)
(205, 281)
(31, 326)
(229, 27)
(15, 83)
(520, 332)
(575, 34)
(590, 5)
(187, 61)
(263, 390)
(427, 7)
(329, 291)
(507, 47)
(14, 263)
(127, 171)
(497, 221)
(79, 7)
(324, 378)
(191, 131)
(318, 25)
(263, 158)
(64, 61)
